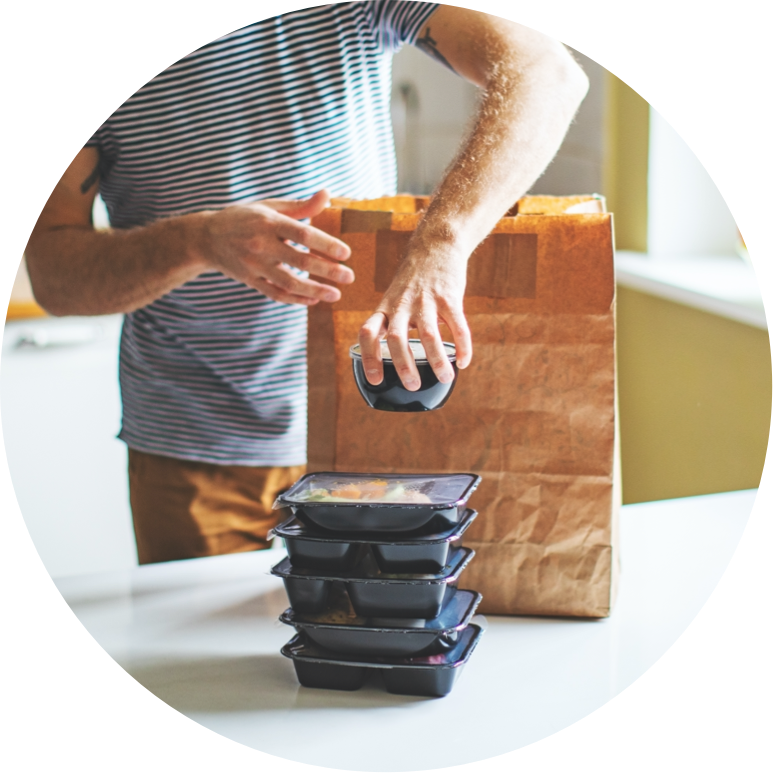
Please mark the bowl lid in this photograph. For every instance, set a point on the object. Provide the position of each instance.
(443, 490)
(417, 349)
(340, 615)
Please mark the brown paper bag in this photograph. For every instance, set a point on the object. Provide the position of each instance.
(534, 414)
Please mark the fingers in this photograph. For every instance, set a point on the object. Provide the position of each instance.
(317, 241)
(290, 229)
(402, 357)
(317, 265)
(371, 348)
(395, 326)
(270, 290)
(301, 208)
(463, 343)
(431, 340)
(291, 283)
(284, 220)
(250, 243)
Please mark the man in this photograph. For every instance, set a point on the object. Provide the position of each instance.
(207, 173)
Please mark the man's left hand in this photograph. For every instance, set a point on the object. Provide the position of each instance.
(427, 289)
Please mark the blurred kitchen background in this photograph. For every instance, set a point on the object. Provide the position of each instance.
(693, 347)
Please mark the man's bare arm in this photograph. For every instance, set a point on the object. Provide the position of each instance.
(531, 90)
(77, 270)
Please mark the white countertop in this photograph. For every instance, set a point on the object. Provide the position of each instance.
(61, 413)
(202, 635)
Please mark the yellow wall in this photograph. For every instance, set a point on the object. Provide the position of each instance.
(627, 136)
(695, 399)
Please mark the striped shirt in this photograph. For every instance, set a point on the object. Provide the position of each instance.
(215, 371)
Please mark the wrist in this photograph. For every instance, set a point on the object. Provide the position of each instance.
(196, 240)
(443, 239)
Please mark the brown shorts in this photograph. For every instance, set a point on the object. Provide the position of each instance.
(185, 509)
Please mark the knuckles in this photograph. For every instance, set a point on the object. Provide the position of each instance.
(394, 337)
(370, 329)
(285, 281)
(303, 235)
(302, 261)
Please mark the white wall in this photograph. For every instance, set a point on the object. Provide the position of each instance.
(686, 213)
(431, 109)
(578, 167)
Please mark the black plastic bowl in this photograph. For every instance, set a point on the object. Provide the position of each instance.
(313, 549)
(391, 395)
(375, 594)
(338, 630)
(431, 676)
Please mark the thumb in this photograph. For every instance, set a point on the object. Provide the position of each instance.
(300, 208)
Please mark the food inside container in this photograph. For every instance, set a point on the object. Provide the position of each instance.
(361, 502)
(372, 592)
(431, 676)
(311, 548)
(341, 630)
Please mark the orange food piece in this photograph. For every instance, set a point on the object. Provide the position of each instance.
(349, 492)
(374, 490)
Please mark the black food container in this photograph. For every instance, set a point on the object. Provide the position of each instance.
(373, 593)
(359, 503)
(338, 629)
(391, 395)
(313, 549)
(431, 676)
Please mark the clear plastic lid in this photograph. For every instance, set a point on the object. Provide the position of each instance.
(417, 349)
(390, 489)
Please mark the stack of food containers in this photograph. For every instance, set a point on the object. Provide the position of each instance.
(371, 575)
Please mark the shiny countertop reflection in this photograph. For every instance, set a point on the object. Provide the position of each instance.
(203, 636)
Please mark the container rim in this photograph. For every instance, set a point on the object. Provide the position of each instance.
(459, 560)
(285, 530)
(449, 348)
(291, 618)
(458, 656)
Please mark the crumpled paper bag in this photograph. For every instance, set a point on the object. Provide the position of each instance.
(534, 414)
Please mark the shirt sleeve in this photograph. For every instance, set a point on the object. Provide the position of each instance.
(103, 141)
(96, 139)
(400, 21)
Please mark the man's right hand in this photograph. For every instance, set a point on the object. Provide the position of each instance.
(77, 270)
(250, 242)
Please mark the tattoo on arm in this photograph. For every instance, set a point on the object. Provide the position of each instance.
(90, 180)
(430, 47)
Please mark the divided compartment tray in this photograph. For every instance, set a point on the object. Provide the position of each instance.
(312, 549)
(339, 630)
(375, 594)
(359, 503)
(431, 676)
